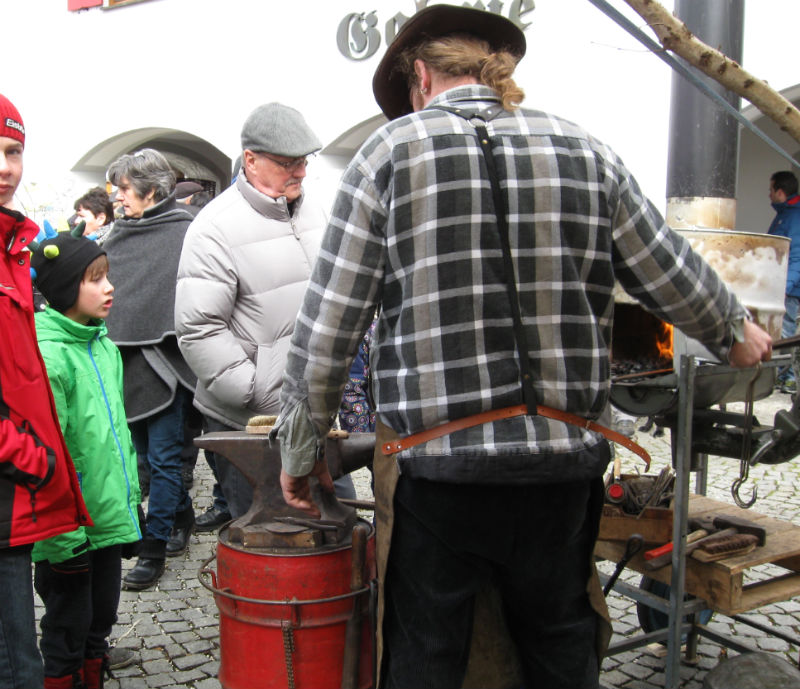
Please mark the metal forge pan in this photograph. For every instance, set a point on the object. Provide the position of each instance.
(754, 266)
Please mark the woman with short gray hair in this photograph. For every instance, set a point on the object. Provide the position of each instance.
(158, 386)
(145, 171)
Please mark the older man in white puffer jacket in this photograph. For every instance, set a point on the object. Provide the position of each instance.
(243, 272)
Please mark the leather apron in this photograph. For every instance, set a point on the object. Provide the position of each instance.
(493, 659)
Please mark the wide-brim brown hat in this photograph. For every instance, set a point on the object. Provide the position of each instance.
(390, 87)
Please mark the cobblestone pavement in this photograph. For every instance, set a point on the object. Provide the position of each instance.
(174, 627)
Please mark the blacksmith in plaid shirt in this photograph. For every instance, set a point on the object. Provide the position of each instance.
(414, 231)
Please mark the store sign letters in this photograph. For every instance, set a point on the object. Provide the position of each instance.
(358, 36)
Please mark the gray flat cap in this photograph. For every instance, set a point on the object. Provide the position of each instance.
(278, 129)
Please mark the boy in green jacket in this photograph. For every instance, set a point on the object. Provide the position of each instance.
(77, 574)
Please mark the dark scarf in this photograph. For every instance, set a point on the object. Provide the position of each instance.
(143, 255)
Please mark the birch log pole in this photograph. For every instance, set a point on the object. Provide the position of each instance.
(675, 36)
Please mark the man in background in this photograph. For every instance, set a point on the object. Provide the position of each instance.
(244, 267)
(786, 203)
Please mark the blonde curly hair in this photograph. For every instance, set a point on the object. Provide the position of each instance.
(460, 55)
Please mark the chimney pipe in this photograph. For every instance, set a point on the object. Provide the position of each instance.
(704, 140)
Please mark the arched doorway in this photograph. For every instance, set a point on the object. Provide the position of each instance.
(192, 157)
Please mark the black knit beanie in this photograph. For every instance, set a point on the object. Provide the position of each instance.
(59, 264)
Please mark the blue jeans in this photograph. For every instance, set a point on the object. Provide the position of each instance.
(790, 306)
(20, 662)
(219, 501)
(160, 439)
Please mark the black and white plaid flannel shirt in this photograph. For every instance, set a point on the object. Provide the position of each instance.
(413, 229)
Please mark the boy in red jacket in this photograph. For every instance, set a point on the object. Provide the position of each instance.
(39, 492)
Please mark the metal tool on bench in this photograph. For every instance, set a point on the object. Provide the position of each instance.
(636, 493)
(632, 546)
(721, 536)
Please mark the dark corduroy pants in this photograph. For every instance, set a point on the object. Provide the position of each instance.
(532, 542)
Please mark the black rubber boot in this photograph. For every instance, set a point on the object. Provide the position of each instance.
(149, 567)
(181, 533)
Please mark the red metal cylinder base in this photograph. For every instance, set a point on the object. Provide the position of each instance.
(283, 616)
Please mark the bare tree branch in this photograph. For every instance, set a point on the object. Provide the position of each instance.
(675, 36)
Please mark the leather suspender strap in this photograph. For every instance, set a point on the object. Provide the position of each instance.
(530, 407)
(478, 120)
(507, 413)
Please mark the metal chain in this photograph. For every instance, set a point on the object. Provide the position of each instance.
(288, 650)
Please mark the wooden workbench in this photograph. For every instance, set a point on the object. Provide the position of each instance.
(722, 583)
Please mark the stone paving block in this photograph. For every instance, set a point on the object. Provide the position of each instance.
(784, 620)
(190, 661)
(208, 632)
(144, 626)
(184, 637)
(199, 646)
(211, 668)
(187, 678)
(170, 585)
(148, 654)
(148, 595)
(651, 661)
(614, 678)
(174, 602)
(638, 670)
(789, 606)
(147, 607)
(157, 641)
(173, 651)
(176, 626)
(130, 683)
(201, 616)
(640, 684)
(154, 667)
(772, 643)
(165, 617)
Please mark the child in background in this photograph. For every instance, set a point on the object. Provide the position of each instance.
(78, 575)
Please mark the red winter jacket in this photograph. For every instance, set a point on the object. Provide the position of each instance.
(39, 491)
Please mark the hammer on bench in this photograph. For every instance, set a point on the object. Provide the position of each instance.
(706, 530)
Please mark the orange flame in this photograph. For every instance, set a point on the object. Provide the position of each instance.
(664, 341)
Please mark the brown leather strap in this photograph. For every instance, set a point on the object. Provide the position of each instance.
(507, 413)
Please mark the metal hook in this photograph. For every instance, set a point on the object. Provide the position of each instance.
(737, 484)
(744, 462)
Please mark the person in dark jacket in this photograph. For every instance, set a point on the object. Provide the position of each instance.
(40, 495)
(785, 201)
(77, 574)
(144, 249)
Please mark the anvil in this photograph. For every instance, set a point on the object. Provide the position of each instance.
(270, 522)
